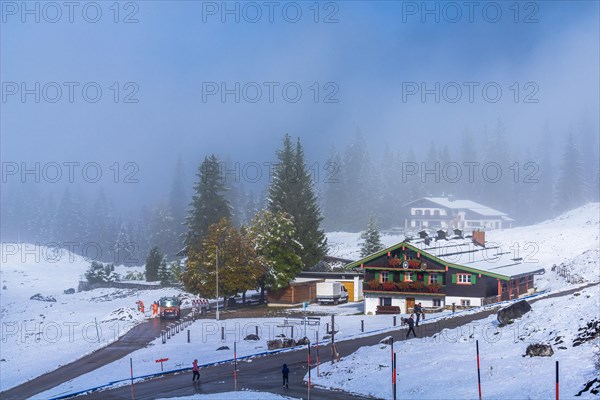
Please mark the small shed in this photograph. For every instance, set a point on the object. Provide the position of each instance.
(297, 292)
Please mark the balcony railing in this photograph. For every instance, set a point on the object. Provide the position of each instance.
(404, 287)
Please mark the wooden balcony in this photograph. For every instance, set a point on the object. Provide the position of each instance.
(404, 288)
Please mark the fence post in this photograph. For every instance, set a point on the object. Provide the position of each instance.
(256, 329)
(188, 331)
(235, 365)
(394, 320)
(131, 371)
(362, 325)
(222, 333)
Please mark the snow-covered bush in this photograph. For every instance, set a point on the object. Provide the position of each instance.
(99, 273)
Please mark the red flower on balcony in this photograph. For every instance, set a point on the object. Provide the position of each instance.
(394, 262)
(373, 284)
(403, 286)
(414, 263)
(418, 285)
(434, 287)
(388, 285)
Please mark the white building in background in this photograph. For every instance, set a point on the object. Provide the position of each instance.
(449, 213)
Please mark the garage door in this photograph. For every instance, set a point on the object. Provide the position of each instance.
(350, 288)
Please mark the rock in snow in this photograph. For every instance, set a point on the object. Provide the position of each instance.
(513, 311)
(39, 297)
(539, 350)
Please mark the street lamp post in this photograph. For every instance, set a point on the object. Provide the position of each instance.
(217, 265)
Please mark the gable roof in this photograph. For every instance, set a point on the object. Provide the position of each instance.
(491, 260)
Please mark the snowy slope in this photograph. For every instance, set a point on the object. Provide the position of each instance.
(39, 336)
(444, 366)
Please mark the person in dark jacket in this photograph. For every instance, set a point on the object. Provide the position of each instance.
(411, 326)
(285, 371)
(418, 310)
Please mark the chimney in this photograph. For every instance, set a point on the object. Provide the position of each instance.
(441, 234)
(479, 238)
(458, 232)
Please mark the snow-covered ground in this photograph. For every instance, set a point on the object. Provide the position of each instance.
(38, 336)
(444, 366)
(241, 395)
(66, 328)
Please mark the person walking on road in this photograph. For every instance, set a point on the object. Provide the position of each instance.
(155, 309)
(418, 310)
(285, 371)
(411, 326)
(195, 371)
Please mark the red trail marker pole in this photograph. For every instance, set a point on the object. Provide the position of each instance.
(557, 382)
(478, 369)
(308, 386)
(394, 375)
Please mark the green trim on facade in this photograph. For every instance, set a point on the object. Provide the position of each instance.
(426, 255)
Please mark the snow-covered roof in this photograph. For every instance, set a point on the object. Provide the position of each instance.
(492, 258)
(465, 205)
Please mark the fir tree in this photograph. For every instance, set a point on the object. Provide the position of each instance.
(292, 192)
(273, 238)
(164, 275)
(177, 201)
(153, 262)
(570, 187)
(334, 192)
(208, 205)
(371, 239)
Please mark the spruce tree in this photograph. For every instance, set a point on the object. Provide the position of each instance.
(153, 261)
(371, 239)
(208, 204)
(292, 192)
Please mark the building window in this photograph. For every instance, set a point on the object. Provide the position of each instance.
(385, 301)
(407, 277)
(436, 212)
(433, 278)
(437, 302)
(465, 303)
(427, 212)
(384, 276)
(464, 279)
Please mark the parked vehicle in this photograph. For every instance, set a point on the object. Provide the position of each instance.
(331, 292)
(170, 307)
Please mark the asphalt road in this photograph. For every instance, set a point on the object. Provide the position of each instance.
(261, 373)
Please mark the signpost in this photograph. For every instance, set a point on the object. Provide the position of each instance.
(161, 360)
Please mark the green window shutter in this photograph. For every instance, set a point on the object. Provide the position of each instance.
(377, 276)
(401, 276)
(453, 278)
(473, 279)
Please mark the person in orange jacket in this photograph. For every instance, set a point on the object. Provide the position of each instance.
(154, 310)
(140, 306)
